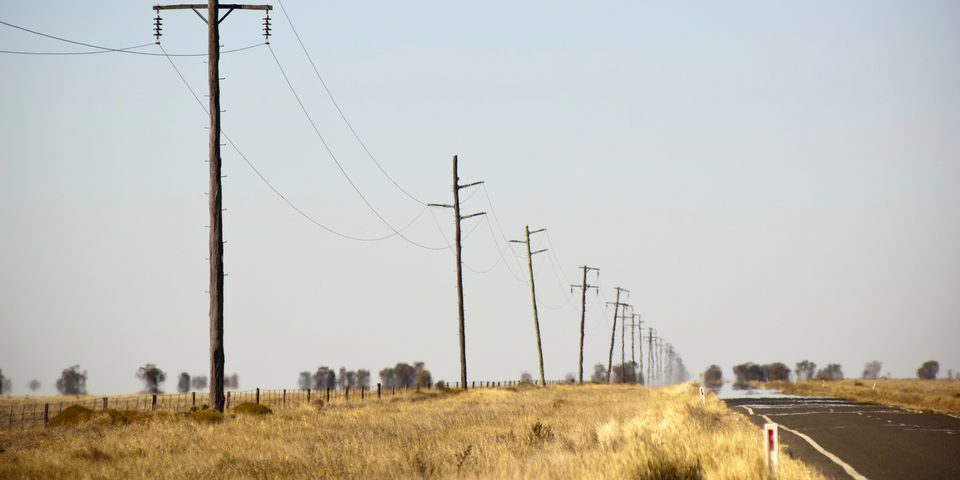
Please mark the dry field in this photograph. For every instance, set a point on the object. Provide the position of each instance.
(561, 431)
(940, 396)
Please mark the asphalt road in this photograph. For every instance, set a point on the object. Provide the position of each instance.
(874, 441)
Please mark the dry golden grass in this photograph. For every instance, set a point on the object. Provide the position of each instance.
(941, 396)
(562, 431)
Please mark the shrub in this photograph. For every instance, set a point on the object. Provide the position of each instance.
(831, 372)
(72, 415)
(207, 416)
(250, 408)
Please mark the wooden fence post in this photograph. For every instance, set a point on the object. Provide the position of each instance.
(378, 394)
(308, 395)
(46, 414)
(346, 395)
(362, 392)
(328, 394)
(104, 403)
(258, 395)
(194, 394)
(284, 397)
(154, 403)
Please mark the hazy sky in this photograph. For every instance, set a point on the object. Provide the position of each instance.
(771, 181)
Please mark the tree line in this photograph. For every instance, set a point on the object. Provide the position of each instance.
(805, 370)
(73, 380)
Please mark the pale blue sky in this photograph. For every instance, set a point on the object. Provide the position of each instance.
(773, 182)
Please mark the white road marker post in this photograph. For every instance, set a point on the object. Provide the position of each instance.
(703, 399)
(771, 442)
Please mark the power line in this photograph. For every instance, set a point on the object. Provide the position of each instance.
(267, 182)
(337, 162)
(102, 49)
(496, 220)
(340, 111)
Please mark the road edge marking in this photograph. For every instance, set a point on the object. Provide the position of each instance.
(835, 459)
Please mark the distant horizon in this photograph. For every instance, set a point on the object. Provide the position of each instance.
(770, 183)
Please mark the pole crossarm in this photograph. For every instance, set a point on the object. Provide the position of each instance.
(464, 217)
(194, 6)
(469, 185)
(444, 205)
(538, 251)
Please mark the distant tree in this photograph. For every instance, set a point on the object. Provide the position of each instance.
(806, 370)
(348, 378)
(623, 372)
(199, 382)
(363, 378)
(5, 384)
(928, 371)
(872, 370)
(526, 377)
(599, 374)
(777, 371)
(34, 385)
(72, 381)
(387, 378)
(231, 382)
(304, 382)
(152, 377)
(324, 378)
(713, 377)
(405, 375)
(424, 379)
(183, 382)
(748, 372)
(831, 372)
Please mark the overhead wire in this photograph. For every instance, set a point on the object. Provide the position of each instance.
(326, 146)
(102, 49)
(503, 236)
(340, 111)
(267, 182)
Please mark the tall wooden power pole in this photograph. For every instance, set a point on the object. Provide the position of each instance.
(583, 312)
(215, 200)
(613, 332)
(457, 218)
(650, 376)
(635, 324)
(533, 294)
(623, 341)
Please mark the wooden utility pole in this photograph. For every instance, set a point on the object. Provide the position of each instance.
(633, 358)
(650, 361)
(457, 218)
(533, 294)
(613, 332)
(215, 200)
(583, 311)
(623, 342)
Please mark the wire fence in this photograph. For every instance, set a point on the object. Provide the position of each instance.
(27, 412)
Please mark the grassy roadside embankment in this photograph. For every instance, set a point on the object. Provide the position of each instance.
(562, 431)
(940, 396)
